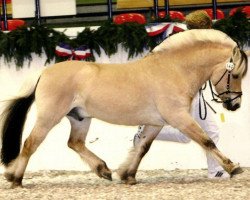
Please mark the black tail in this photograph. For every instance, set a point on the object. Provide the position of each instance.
(14, 117)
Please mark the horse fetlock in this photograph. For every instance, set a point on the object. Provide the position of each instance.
(122, 174)
(9, 176)
(103, 171)
(17, 182)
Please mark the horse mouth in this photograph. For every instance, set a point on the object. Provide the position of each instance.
(230, 106)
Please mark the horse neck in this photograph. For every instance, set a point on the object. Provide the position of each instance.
(195, 65)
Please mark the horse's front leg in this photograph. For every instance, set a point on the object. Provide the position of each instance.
(190, 127)
(79, 130)
(128, 169)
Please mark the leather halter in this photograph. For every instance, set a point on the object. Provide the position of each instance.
(229, 67)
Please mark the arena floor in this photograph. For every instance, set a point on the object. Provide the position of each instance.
(155, 184)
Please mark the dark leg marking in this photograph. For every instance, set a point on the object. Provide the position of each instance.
(9, 177)
(145, 149)
(75, 114)
(209, 144)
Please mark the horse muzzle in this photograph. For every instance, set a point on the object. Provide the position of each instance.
(229, 105)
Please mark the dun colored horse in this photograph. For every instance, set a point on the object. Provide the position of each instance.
(153, 91)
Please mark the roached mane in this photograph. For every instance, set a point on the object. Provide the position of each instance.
(191, 37)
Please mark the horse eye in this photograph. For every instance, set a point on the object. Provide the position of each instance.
(235, 76)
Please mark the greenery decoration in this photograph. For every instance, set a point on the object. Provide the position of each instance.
(20, 44)
(236, 26)
(133, 37)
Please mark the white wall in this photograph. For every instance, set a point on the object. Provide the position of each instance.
(112, 142)
(26, 8)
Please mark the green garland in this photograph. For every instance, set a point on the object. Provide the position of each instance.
(20, 44)
(236, 26)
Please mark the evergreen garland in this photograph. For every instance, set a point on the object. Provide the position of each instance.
(236, 26)
(20, 44)
(88, 38)
(133, 37)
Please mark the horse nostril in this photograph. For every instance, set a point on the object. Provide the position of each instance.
(236, 106)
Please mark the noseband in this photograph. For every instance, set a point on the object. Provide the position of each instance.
(229, 67)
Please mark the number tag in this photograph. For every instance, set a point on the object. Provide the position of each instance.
(230, 66)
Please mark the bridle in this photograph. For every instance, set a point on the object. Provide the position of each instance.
(215, 97)
(229, 67)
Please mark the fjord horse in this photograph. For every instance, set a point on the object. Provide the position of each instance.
(154, 91)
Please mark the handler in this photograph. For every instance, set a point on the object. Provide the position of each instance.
(195, 20)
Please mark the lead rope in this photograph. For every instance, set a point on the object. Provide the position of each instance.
(205, 104)
(201, 97)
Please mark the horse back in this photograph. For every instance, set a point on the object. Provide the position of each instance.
(115, 93)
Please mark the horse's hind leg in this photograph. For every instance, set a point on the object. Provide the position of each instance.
(128, 169)
(15, 171)
(79, 130)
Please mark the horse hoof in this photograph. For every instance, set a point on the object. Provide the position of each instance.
(104, 172)
(16, 185)
(107, 175)
(131, 181)
(236, 170)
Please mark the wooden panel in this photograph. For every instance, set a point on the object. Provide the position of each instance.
(149, 3)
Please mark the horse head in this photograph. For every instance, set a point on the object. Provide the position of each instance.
(227, 80)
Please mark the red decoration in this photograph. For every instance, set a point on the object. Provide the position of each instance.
(157, 29)
(220, 13)
(130, 17)
(7, 2)
(13, 24)
(245, 9)
(173, 15)
(166, 29)
(177, 29)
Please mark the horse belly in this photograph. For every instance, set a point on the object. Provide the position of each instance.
(124, 114)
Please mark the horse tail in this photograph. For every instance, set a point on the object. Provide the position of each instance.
(13, 118)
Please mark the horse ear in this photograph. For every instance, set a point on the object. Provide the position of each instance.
(239, 61)
(236, 54)
(247, 53)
